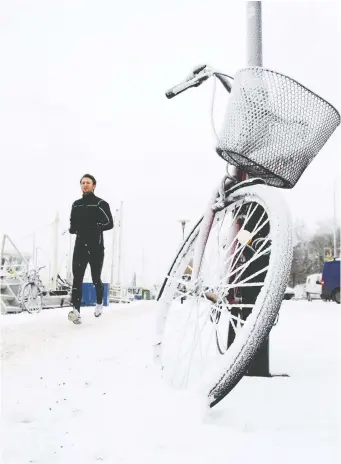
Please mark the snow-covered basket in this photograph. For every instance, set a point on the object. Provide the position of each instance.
(274, 126)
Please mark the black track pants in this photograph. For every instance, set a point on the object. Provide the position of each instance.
(83, 255)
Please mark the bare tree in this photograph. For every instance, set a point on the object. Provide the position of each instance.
(309, 251)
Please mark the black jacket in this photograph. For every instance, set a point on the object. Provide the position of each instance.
(90, 216)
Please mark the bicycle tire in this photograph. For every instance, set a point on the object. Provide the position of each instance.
(236, 361)
(38, 298)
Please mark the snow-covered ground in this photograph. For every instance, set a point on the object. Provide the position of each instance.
(90, 393)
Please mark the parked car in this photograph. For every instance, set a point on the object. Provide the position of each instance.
(331, 281)
(313, 287)
(289, 293)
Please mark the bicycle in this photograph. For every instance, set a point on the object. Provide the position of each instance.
(31, 294)
(224, 289)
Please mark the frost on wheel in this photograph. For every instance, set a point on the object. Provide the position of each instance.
(31, 298)
(212, 328)
(251, 258)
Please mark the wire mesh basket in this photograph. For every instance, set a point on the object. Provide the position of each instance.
(274, 127)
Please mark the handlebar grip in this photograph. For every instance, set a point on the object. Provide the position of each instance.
(171, 94)
(187, 85)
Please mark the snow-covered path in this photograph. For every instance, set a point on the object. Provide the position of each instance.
(90, 393)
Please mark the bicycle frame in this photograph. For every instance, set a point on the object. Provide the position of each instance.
(208, 219)
(236, 176)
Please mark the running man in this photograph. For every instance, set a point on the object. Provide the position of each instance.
(90, 217)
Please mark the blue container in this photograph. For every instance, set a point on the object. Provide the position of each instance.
(89, 295)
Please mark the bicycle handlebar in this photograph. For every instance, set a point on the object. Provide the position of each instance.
(199, 75)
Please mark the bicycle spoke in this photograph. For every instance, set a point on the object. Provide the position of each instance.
(246, 265)
(254, 233)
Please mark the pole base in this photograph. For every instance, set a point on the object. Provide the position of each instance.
(268, 376)
(260, 364)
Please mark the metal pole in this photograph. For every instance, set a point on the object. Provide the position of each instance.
(2, 259)
(254, 34)
(183, 223)
(260, 364)
(112, 253)
(48, 260)
(34, 260)
(55, 255)
(119, 245)
(143, 284)
(69, 262)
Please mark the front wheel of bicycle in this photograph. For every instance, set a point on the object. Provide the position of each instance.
(211, 338)
(31, 298)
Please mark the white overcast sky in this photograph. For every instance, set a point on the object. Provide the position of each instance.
(82, 90)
